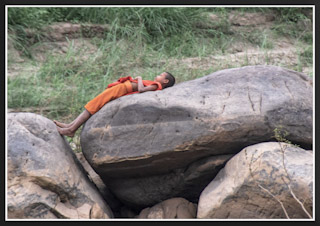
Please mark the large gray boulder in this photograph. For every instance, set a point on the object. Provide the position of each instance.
(266, 180)
(157, 133)
(45, 179)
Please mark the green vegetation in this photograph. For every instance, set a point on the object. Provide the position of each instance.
(140, 41)
(280, 135)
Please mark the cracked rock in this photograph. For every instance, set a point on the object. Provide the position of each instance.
(270, 180)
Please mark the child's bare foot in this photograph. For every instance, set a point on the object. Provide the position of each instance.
(66, 131)
(60, 124)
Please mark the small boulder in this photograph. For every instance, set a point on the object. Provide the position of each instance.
(268, 180)
(175, 208)
(45, 179)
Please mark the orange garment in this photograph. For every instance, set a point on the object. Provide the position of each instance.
(115, 90)
(129, 78)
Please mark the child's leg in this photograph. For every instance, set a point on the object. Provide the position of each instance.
(107, 95)
(93, 106)
(70, 131)
(63, 125)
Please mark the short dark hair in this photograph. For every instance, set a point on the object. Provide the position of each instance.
(171, 79)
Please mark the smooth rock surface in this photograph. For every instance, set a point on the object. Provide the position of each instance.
(45, 179)
(175, 208)
(268, 180)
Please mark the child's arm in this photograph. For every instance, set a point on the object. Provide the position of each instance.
(142, 88)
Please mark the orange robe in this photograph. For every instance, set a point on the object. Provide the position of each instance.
(115, 90)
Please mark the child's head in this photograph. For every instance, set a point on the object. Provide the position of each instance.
(166, 79)
(171, 79)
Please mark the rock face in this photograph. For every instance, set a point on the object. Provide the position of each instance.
(267, 180)
(159, 133)
(139, 192)
(45, 179)
(95, 178)
(170, 209)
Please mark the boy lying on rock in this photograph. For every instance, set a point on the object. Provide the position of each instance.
(124, 86)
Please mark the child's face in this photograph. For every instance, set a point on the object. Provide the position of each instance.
(161, 78)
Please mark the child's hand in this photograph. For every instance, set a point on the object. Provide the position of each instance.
(138, 77)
